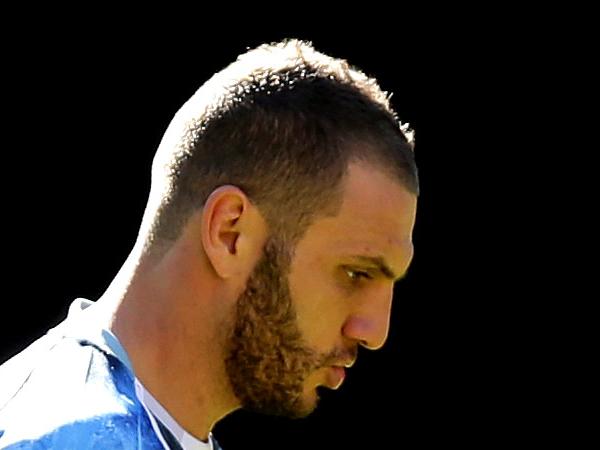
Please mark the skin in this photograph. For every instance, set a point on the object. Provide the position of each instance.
(222, 321)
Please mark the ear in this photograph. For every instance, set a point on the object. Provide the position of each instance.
(233, 232)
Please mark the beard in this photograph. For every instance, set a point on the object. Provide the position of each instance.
(267, 360)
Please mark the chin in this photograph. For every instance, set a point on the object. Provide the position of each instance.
(307, 408)
(310, 401)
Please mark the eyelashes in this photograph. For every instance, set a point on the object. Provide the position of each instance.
(357, 275)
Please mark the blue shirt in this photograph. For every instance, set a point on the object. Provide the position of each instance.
(74, 388)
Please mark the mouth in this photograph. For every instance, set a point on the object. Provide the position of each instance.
(336, 369)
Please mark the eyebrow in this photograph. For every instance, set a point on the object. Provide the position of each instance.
(382, 266)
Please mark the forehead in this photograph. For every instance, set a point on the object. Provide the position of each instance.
(376, 218)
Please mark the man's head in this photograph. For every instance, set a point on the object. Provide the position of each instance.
(282, 123)
(288, 188)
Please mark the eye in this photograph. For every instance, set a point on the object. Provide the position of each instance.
(356, 275)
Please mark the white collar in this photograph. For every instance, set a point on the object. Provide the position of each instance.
(186, 440)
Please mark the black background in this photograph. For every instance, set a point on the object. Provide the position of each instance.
(85, 115)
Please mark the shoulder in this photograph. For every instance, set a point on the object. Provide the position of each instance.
(71, 394)
(108, 431)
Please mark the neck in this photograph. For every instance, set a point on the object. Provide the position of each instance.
(175, 343)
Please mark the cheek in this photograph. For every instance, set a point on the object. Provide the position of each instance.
(319, 308)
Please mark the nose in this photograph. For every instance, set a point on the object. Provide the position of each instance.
(369, 322)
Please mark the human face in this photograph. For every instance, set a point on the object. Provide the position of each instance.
(297, 323)
(268, 359)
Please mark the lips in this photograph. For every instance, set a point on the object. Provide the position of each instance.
(336, 376)
(347, 364)
(336, 368)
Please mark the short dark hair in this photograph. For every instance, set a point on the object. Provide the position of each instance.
(282, 123)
